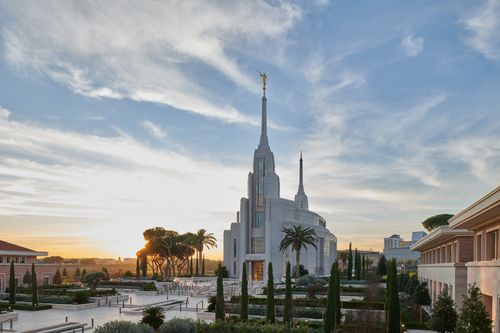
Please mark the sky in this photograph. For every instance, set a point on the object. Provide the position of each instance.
(117, 116)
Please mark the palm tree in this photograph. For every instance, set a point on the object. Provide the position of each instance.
(297, 237)
(202, 239)
(153, 316)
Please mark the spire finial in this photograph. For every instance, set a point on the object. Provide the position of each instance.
(263, 77)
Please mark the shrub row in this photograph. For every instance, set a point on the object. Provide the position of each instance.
(69, 292)
(146, 286)
(416, 326)
(25, 307)
(260, 310)
(322, 290)
(314, 302)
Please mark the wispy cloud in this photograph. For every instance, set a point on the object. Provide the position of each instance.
(154, 130)
(412, 45)
(108, 50)
(110, 182)
(483, 25)
(4, 113)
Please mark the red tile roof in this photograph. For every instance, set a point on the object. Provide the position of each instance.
(5, 246)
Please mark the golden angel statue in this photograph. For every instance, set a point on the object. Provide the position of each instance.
(263, 77)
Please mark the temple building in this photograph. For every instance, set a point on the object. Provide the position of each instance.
(256, 235)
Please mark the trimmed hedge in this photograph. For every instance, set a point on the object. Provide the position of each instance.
(314, 303)
(249, 327)
(145, 286)
(25, 307)
(416, 326)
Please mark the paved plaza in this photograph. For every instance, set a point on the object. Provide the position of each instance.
(36, 319)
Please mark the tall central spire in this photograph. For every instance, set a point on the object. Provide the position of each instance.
(263, 130)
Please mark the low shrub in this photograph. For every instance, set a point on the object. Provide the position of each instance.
(307, 280)
(122, 326)
(81, 297)
(178, 325)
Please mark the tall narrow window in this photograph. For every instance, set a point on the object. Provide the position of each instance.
(257, 245)
(261, 171)
(234, 247)
(492, 245)
(259, 219)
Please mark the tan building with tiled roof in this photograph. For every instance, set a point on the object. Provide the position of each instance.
(22, 258)
(466, 252)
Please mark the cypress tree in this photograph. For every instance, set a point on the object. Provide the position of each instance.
(363, 267)
(270, 311)
(197, 264)
(27, 278)
(382, 266)
(349, 263)
(330, 315)
(219, 303)
(144, 266)
(473, 317)
(393, 308)
(57, 277)
(65, 272)
(34, 287)
(444, 316)
(191, 266)
(84, 272)
(244, 293)
(12, 285)
(137, 267)
(287, 309)
(337, 293)
(357, 266)
(78, 274)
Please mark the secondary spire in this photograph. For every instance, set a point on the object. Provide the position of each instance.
(301, 197)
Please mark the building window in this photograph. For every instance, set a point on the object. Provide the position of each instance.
(257, 245)
(1, 259)
(260, 192)
(234, 247)
(8, 260)
(492, 245)
(261, 167)
(478, 248)
(234, 267)
(259, 219)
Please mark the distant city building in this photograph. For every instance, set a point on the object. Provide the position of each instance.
(397, 248)
(392, 242)
(256, 235)
(23, 258)
(465, 253)
(130, 261)
(105, 261)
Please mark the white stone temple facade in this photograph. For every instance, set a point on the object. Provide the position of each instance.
(256, 235)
